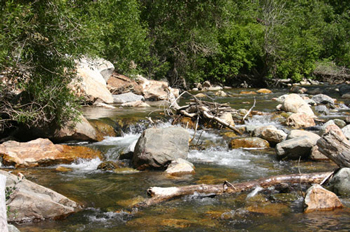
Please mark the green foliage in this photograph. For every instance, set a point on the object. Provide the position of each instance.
(34, 55)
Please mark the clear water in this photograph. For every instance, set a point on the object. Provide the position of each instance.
(108, 196)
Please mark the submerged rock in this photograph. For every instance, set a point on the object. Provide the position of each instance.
(252, 142)
(30, 201)
(317, 198)
(42, 152)
(157, 147)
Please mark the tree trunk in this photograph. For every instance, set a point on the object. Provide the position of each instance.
(335, 148)
(159, 194)
(3, 211)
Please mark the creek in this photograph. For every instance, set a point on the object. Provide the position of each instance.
(107, 196)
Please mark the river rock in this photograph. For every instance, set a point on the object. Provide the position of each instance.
(300, 120)
(179, 167)
(322, 109)
(340, 123)
(157, 147)
(323, 99)
(252, 142)
(206, 84)
(42, 152)
(90, 83)
(119, 84)
(334, 128)
(319, 199)
(30, 202)
(264, 91)
(297, 89)
(80, 131)
(270, 133)
(227, 117)
(127, 97)
(135, 104)
(155, 90)
(102, 129)
(221, 93)
(295, 104)
(346, 131)
(316, 154)
(340, 183)
(295, 148)
(302, 133)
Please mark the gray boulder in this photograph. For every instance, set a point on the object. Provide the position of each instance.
(270, 133)
(157, 147)
(29, 201)
(295, 148)
(340, 183)
(322, 109)
(127, 97)
(323, 99)
(301, 133)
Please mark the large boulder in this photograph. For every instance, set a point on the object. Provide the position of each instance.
(42, 152)
(90, 83)
(295, 148)
(346, 131)
(157, 147)
(319, 199)
(119, 84)
(30, 202)
(80, 131)
(295, 104)
(301, 133)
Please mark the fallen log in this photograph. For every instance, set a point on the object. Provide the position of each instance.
(335, 148)
(160, 194)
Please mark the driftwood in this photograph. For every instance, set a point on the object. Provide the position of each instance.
(335, 148)
(197, 108)
(160, 194)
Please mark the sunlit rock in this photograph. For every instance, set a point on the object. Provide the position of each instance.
(180, 166)
(30, 202)
(127, 97)
(157, 147)
(90, 82)
(319, 199)
(300, 120)
(270, 133)
(221, 93)
(264, 91)
(119, 84)
(102, 129)
(155, 90)
(80, 131)
(252, 142)
(295, 104)
(42, 152)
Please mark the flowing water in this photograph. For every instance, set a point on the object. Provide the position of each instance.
(107, 196)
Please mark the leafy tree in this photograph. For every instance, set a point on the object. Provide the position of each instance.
(182, 34)
(38, 42)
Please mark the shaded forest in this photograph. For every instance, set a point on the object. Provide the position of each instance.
(224, 41)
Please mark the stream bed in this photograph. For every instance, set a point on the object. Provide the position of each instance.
(107, 196)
